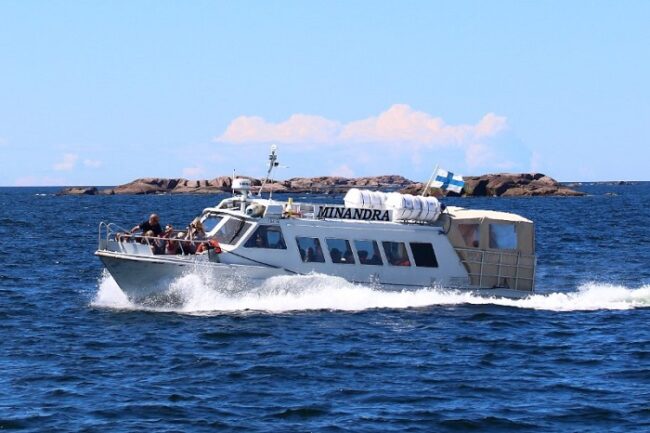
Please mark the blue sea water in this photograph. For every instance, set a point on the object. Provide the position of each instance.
(316, 353)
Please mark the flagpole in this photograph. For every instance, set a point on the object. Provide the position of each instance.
(426, 187)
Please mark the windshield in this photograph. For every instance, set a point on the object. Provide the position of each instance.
(232, 230)
(210, 222)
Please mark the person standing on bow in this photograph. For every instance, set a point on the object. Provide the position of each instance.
(153, 224)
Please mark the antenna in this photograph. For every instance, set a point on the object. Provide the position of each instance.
(273, 162)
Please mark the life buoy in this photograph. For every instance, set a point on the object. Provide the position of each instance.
(215, 246)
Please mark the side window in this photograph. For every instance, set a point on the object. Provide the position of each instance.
(368, 252)
(232, 230)
(310, 250)
(267, 237)
(423, 255)
(340, 251)
(471, 234)
(503, 236)
(396, 253)
(210, 222)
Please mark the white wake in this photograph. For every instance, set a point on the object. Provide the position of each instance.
(194, 293)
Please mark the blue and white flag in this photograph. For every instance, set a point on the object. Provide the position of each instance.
(444, 179)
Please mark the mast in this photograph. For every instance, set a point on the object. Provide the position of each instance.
(273, 162)
(426, 187)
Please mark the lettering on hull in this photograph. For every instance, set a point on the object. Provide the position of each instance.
(347, 213)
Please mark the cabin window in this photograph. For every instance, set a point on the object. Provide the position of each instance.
(368, 252)
(232, 230)
(267, 237)
(340, 251)
(310, 250)
(396, 253)
(423, 255)
(210, 222)
(503, 236)
(471, 234)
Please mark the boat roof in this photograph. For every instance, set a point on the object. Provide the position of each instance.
(457, 212)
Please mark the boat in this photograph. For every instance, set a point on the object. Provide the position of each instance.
(388, 240)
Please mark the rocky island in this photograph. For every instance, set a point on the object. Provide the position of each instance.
(498, 185)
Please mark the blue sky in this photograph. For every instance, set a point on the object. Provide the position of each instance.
(100, 93)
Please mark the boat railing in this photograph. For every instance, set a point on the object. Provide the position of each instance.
(108, 232)
(490, 268)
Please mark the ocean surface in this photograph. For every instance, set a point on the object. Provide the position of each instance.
(315, 353)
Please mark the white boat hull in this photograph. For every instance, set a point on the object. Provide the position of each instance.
(142, 277)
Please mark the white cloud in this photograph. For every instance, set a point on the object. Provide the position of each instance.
(399, 135)
(92, 163)
(67, 163)
(193, 172)
(399, 124)
(490, 125)
(299, 128)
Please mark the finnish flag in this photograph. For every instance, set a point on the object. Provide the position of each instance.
(444, 179)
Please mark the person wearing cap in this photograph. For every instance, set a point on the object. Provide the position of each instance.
(153, 224)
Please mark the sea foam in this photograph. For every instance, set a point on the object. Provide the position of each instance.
(197, 293)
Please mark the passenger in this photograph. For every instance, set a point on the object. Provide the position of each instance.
(336, 255)
(173, 244)
(195, 237)
(260, 242)
(158, 246)
(153, 224)
(348, 257)
(145, 237)
(196, 230)
(169, 230)
(310, 257)
(188, 247)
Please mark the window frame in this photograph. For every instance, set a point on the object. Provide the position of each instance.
(214, 228)
(304, 257)
(349, 248)
(239, 233)
(435, 262)
(406, 250)
(492, 240)
(373, 243)
(476, 241)
(266, 227)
